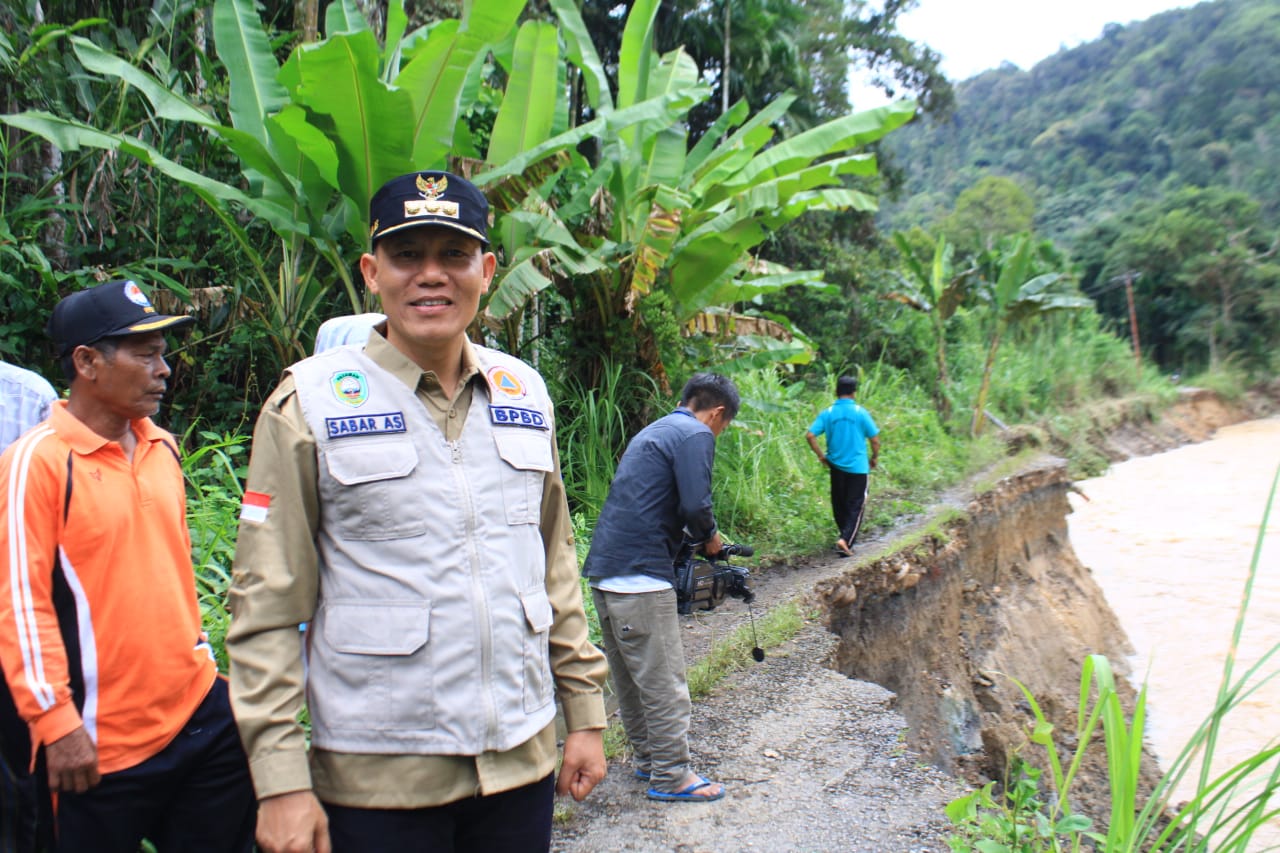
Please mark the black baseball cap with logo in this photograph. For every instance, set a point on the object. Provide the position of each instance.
(106, 311)
(435, 198)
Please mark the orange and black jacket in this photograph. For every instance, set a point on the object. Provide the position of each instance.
(99, 623)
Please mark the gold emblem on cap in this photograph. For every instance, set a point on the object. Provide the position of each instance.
(432, 188)
(431, 207)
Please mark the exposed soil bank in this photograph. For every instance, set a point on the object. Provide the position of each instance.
(922, 626)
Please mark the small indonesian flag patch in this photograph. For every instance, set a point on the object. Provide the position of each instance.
(254, 507)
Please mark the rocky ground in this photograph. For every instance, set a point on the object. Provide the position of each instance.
(811, 760)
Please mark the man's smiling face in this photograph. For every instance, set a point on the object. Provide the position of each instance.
(430, 280)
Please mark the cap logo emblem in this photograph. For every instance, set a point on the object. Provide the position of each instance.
(350, 387)
(135, 295)
(431, 204)
(432, 187)
(506, 383)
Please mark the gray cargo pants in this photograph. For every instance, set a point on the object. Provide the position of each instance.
(641, 633)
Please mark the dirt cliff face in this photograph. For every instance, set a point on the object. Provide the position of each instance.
(946, 623)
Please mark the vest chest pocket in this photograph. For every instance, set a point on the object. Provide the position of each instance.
(527, 453)
(369, 494)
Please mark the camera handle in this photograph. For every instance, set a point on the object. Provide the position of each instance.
(756, 652)
(740, 550)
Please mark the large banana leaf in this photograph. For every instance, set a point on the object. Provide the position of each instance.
(434, 78)
(528, 108)
(344, 17)
(338, 79)
(69, 135)
(255, 91)
(254, 154)
(307, 153)
(657, 237)
(729, 157)
(656, 112)
(635, 56)
(582, 53)
(840, 134)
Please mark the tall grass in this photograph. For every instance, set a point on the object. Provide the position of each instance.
(771, 490)
(1224, 814)
(215, 473)
(591, 425)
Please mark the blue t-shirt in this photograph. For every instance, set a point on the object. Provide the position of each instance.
(847, 427)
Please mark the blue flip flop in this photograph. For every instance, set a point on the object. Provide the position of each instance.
(641, 774)
(687, 794)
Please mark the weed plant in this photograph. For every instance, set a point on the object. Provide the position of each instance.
(215, 473)
(1223, 816)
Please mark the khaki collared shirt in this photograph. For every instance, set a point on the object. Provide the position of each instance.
(275, 589)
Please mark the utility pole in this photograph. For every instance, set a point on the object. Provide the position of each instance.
(1129, 278)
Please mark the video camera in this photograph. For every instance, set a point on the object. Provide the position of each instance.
(701, 584)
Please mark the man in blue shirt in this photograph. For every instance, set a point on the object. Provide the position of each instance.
(849, 429)
(660, 493)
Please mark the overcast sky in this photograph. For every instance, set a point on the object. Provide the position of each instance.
(974, 35)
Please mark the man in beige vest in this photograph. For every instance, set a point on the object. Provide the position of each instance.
(405, 501)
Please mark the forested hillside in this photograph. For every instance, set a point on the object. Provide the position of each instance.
(1190, 97)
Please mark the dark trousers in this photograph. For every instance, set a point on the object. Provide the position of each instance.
(848, 500)
(25, 812)
(194, 796)
(515, 821)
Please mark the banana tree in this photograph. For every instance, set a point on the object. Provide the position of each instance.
(1016, 296)
(314, 136)
(937, 291)
(653, 215)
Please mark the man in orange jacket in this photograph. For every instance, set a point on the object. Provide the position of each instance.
(100, 633)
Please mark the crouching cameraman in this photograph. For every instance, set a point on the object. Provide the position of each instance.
(661, 489)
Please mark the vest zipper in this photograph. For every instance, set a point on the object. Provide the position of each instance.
(478, 599)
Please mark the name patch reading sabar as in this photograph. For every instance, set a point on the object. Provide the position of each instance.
(516, 416)
(383, 424)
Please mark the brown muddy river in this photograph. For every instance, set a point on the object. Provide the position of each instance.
(1170, 539)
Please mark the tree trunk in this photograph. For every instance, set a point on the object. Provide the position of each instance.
(306, 19)
(200, 40)
(944, 381)
(724, 70)
(375, 12)
(979, 409)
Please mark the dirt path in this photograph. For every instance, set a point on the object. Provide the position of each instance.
(811, 760)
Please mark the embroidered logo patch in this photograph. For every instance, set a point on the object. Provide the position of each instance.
(383, 424)
(506, 383)
(135, 295)
(516, 416)
(254, 507)
(350, 387)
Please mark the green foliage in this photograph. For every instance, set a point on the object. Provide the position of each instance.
(992, 208)
(1018, 821)
(1206, 282)
(770, 490)
(1184, 98)
(215, 472)
(593, 430)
